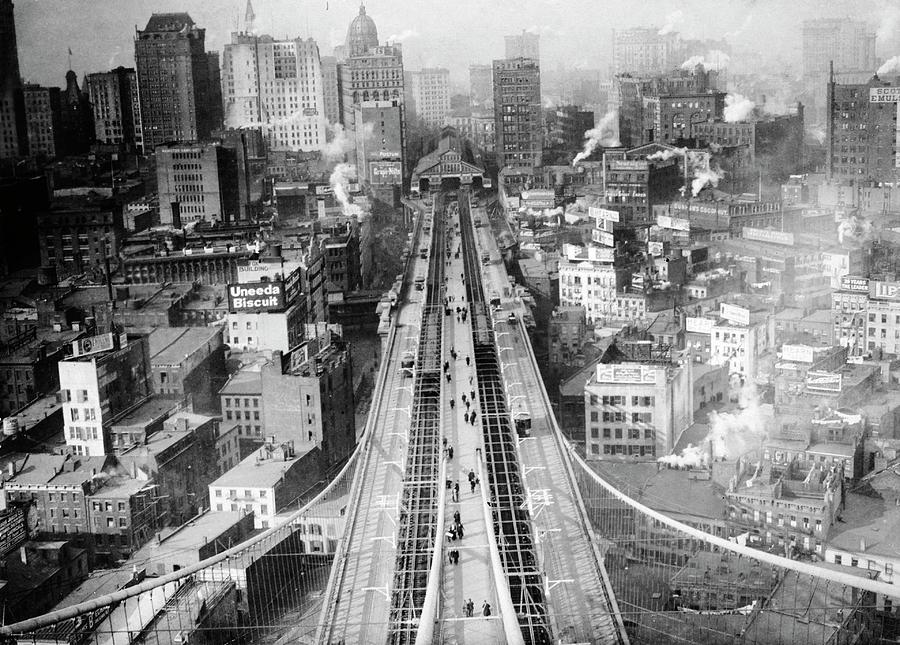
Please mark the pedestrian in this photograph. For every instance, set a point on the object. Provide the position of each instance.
(466, 415)
(455, 517)
(450, 452)
(456, 492)
(473, 395)
(451, 534)
(470, 608)
(471, 475)
(472, 417)
(452, 403)
(486, 609)
(450, 557)
(468, 360)
(468, 405)
(463, 397)
(459, 530)
(472, 485)
(448, 377)
(471, 377)
(445, 442)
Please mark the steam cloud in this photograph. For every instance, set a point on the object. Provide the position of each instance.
(890, 66)
(714, 61)
(741, 29)
(888, 25)
(697, 166)
(605, 134)
(854, 227)
(732, 434)
(406, 34)
(817, 132)
(341, 177)
(672, 19)
(737, 108)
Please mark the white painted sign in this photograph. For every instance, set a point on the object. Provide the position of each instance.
(603, 213)
(675, 223)
(797, 353)
(626, 373)
(884, 94)
(735, 314)
(699, 325)
(602, 237)
(766, 235)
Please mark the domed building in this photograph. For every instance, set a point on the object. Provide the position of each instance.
(362, 36)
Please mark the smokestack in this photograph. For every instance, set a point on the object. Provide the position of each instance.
(133, 469)
(23, 555)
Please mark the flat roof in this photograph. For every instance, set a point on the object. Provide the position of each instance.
(243, 382)
(147, 412)
(172, 345)
(251, 473)
(121, 487)
(188, 537)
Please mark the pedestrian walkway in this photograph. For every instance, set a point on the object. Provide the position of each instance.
(471, 577)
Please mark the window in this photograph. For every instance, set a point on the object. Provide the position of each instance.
(121, 507)
(218, 492)
(123, 522)
(109, 522)
(264, 509)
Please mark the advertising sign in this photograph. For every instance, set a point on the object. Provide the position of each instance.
(823, 381)
(625, 373)
(602, 237)
(603, 213)
(257, 271)
(310, 112)
(385, 172)
(538, 199)
(884, 94)
(765, 235)
(93, 345)
(622, 164)
(255, 297)
(885, 290)
(735, 314)
(675, 223)
(850, 283)
(324, 190)
(655, 248)
(699, 325)
(797, 353)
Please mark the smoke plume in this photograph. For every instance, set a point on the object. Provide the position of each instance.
(691, 457)
(735, 433)
(341, 177)
(737, 108)
(817, 132)
(890, 67)
(888, 26)
(854, 228)
(406, 34)
(665, 155)
(605, 134)
(673, 19)
(714, 61)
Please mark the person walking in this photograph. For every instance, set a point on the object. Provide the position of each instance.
(468, 360)
(472, 485)
(450, 452)
(456, 517)
(456, 492)
(486, 609)
(466, 415)
(452, 403)
(470, 608)
(459, 530)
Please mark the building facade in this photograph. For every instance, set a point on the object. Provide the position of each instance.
(277, 85)
(524, 45)
(12, 112)
(645, 51)
(481, 86)
(78, 234)
(517, 113)
(43, 114)
(116, 105)
(430, 90)
(173, 77)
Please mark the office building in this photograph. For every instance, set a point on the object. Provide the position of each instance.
(849, 44)
(430, 91)
(379, 143)
(76, 118)
(106, 375)
(860, 131)
(276, 85)
(173, 77)
(116, 106)
(331, 91)
(43, 114)
(569, 125)
(481, 86)
(739, 340)
(633, 183)
(201, 182)
(644, 50)
(77, 234)
(637, 402)
(12, 112)
(517, 113)
(188, 362)
(524, 45)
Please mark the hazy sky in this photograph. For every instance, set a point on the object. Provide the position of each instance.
(447, 33)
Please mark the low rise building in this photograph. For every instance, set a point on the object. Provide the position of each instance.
(722, 582)
(740, 341)
(566, 335)
(188, 363)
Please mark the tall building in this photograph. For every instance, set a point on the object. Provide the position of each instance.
(77, 120)
(42, 119)
(430, 90)
(850, 44)
(78, 233)
(331, 91)
(379, 143)
(645, 51)
(278, 85)
(116, 107)
(481, 86)
(861, 138)
(12, 112)
(200, 182)
(106, 375)
(173, 77)
(524, 45)
(517, 112)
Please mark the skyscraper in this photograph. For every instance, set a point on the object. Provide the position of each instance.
(481, 86)
(12, 110)
(331, 89)
(645, 51)
(173, 76)
(430, 90)
(116, 107)
(42, 119)
(849, 44)
(524, 45)
(275, 84)
(517, 113)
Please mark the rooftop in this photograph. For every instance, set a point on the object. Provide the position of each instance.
(150, 411)
(172, 345)
(189, 537)
(245, 381)
(258, 470)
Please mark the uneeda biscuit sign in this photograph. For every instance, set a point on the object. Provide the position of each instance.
(255, 297)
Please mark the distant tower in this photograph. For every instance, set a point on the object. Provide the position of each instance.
(362, 36)
(76, 118)
(12, 107)
(249, 18)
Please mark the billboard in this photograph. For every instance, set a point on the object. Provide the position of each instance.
(602, 237)
(324, 190)
(765, 235)
(538, 198)
(603, 213)
(735, 314)
(884, 94)
(255, 297)
(675, 223)
(884, 290)
(93, 345)
(385, 172)
(625, 373)
(797, 353)
(851, 283)
(256, 271)
(823, 381)
(655, 249)
(624, 164)
(699, 325)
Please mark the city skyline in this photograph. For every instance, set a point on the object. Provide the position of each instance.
(431, 32)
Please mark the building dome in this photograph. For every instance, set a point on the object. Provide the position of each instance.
(362, 34)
